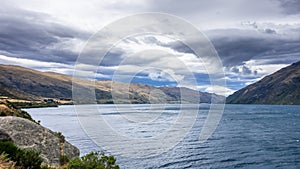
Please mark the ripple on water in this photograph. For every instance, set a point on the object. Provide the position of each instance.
(249, 136)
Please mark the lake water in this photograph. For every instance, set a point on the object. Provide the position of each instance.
(248, 136)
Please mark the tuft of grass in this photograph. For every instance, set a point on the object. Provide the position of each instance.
(5, 162)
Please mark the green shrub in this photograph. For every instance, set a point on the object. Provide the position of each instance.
(60, 136)
(63, 159)
(27, 159)
(93, 160)
(76, 163)
(8, 148)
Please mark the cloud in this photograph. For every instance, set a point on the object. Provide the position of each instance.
(270, 31)
(86, 71)
(220, 90)
(235, 70)
(145, 55)
(38, 65)
(236, 46)
(290, 6)
(250, 72)
(252, 38)
(246, 70)
(32, 35)
(165, 75)
(243, 70)
(160, 76)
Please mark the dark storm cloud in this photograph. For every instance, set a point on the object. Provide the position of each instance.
(290, 6)
(238, 46)
(235, 51)
(31, 35)
(112, 58)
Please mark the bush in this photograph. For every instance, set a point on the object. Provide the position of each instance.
(76, 163)
(93, 160)
(28, 159)
(63, 159)
(60, 136)
(8, 148)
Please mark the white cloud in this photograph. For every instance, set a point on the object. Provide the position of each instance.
(165, 75)
(221, 90)
(254, 68)
(251, 81)
(262, 68)
(94, 14)
(39, 65)
(71, 45)
(158, 59)
(85, 71)
(258, 68)
(86, 15)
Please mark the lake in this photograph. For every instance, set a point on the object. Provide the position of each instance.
(248, 136)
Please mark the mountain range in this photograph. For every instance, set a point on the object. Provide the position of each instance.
(24, 83)
(281, 87)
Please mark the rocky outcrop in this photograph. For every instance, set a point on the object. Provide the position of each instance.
(29, 135)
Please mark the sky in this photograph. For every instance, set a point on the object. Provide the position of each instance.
(252, 38)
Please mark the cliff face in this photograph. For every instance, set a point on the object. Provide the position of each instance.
(281, 87)
(29, 135)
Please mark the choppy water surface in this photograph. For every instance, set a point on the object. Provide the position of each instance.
(248, 136)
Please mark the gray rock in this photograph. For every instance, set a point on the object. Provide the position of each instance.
(29, 135)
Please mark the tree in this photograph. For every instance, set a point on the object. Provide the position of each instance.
(94, 160)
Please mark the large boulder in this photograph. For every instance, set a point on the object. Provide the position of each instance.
(29, 135)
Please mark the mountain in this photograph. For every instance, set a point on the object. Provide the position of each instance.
(23, 83)
(19, 82)
(281, 87)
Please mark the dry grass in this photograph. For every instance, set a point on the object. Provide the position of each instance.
(5, 163)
